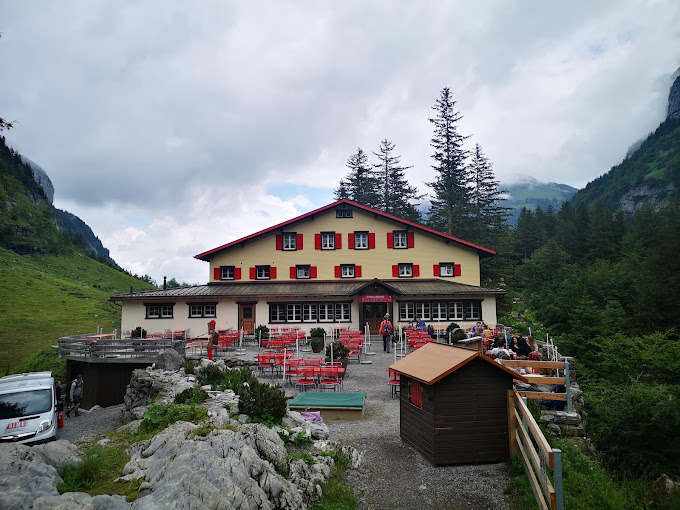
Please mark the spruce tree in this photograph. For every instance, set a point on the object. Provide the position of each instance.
(488, 215)
(360, 185)
(395, 193)
(450, 206)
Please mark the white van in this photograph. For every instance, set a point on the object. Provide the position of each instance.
(28, 408)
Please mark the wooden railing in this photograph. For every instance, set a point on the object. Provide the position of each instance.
(102, 348)
(538, 460)
(535, 378)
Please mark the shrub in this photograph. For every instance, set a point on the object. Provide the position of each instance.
(339, 350)
(265, 332)
(189, 367)
(194, 395)
(317, 332)
(263, 403)
(138, 332)
(158, 417)
(225, 379)
(316, 344)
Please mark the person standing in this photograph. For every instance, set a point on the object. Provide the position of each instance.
(386, 332)
(213, 338)
(75, 394)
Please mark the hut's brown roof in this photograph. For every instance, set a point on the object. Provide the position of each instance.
(434, 361)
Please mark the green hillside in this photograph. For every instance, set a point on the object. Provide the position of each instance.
(652, 171)
(51, 296)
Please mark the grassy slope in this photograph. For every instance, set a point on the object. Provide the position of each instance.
(44, 298)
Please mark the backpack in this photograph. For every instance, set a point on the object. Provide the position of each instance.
(386, 329)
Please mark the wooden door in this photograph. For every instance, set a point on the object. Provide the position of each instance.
(373, 313)
(247, 317)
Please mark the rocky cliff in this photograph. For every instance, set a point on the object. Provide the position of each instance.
(674, 97)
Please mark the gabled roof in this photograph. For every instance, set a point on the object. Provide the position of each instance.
(433, 361)
(308, 288)
(206, 255)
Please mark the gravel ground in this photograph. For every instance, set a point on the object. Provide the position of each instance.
(392, 475)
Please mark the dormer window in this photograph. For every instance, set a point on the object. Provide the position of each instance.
(343, 213)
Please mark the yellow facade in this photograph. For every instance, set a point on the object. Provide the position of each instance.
(428, 250)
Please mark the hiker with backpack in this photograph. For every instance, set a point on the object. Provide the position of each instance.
(75, 393)
(386, 332)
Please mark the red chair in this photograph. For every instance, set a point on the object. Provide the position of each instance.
(329, 377)
(307, 377)
(264, 363)
(393, 382)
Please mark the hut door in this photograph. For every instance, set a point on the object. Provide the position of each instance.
(373, 313)
(247, 317)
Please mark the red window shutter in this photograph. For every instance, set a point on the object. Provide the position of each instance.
(317, 241)
(338, 272)
(435, 270)
(279, 241)
(237, 273)
(253, 273)
(395, 270)
(293, 272)
(338, 241)
(272, 273)
(390, 240)
(371, 240)
(312, 272)
(456, 270)
(357, 271)
(410, 239)
(416, 270)
(350, 241)
(416, 391)
(217, 273)
(298, 242)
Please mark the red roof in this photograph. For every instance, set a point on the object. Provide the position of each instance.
(206, 255)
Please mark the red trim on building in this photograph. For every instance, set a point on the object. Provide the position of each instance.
(279, 242)
(253, 273)
(350, 240)
(206, 255)
(338, 241)
(217, 273)
(416, 392)
(272, 273)
(293, 272)
(312, 272)
(338, 271)
(390, 239)
(456, 270)
(416, 270)
(298, 242)
(371, 240)
(395, 270)
(357, 271)
(435, 270)
(237, 273)
(410, 239)
(317, 241)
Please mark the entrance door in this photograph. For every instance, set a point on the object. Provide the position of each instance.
(373, 313)
(247, 317)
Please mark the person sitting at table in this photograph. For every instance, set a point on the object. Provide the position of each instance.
(532, 343)
(520, 346)
(411, 325)
(500, 349)
(486, 331)
(477, 328)
(421, 324)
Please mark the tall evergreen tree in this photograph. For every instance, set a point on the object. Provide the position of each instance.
(488, 215)
(396, 195)
(360, 185)
(450, 205)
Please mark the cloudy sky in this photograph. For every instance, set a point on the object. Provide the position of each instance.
(172, 127)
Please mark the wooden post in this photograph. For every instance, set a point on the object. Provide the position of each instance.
(512, 424)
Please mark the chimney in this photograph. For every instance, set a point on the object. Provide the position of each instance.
(165, 283)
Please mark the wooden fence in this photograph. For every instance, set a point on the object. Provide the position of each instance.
(537, 377)
(83, 346)
(539, 460)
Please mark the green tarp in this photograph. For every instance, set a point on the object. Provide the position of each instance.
(314, 399)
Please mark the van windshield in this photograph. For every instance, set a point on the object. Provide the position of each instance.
(24, 403)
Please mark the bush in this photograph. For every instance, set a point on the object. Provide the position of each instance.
(156, 418)
(189, 367)
(339, 350)
(263, 403)
(265, 332)
(193, 395)
(225, 379)
(138, 332)
(317, 332)
(316, 344)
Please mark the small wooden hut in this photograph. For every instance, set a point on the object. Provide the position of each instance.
(454, 405)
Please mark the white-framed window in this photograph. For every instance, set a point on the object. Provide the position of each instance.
(361, 240)
(446, 269)
(407, 312)
(294, 312)
(277, 312)
(423, 310)
(342, 312)
(328, 240)
(302, 271)
(400, 239)
(405, 270)
(456, 310)
(202, 310)
(473, 310)
(262, 272)
(159, 310)
(341, 213)
(326, 312)
(290, 241)
(227, 273)
(439, 311)
(309, 312)
(347, 270)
